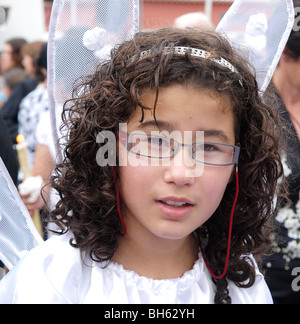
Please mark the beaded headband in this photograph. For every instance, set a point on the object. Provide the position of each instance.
(182, 50)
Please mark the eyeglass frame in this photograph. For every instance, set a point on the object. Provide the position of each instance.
(235, 147)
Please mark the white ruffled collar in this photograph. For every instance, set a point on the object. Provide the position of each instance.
(186, 281)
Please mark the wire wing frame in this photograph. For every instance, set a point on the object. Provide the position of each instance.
(81, 34)
(18, 234)
(259, 29)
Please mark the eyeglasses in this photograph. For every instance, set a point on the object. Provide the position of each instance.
(160, 147)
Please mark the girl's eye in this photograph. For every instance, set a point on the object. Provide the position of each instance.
(206, 147)
(159, 141)
(210, 147)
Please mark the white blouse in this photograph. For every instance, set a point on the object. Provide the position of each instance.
(55, 272)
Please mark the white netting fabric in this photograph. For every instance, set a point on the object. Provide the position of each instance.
(82, 32)
(18, 234)
(259, 29)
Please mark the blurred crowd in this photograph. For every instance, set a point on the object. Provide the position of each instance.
(24, 109)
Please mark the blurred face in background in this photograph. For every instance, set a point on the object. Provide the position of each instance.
(28, 64)
(7, 61)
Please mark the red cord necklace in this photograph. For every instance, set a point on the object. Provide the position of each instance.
(118, 202)
(229, 233)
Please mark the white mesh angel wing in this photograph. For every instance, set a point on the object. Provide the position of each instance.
(259, 29)
(81, 34)
(18, 234)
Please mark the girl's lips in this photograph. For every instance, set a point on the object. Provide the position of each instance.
(177, 200)
(175, 208)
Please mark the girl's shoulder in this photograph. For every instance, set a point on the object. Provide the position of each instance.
(259, 293)
(43, 274)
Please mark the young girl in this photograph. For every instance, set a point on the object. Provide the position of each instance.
(158, 230)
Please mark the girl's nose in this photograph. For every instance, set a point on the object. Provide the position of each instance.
(180, 170)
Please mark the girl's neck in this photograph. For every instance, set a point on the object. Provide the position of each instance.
(289, 92)
(157, 258)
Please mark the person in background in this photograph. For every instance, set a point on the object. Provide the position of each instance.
(10, 80)
(11, 56)
(2, 95)
(193, 20)
(30, 52)
(281, 265)
(10, 59)
(10, 110)
(34, 104)
(34, 124)
(32, 108)
(43, 166)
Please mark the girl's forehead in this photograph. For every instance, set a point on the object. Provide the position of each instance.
(181, 101)
(184, 108)
(183, 92)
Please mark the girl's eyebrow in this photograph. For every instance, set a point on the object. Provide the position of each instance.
(169, 127)
(159, 124)
(217, 133)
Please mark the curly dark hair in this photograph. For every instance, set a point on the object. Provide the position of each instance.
(88, 203)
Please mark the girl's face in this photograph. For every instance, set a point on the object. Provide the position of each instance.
(165, 201)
